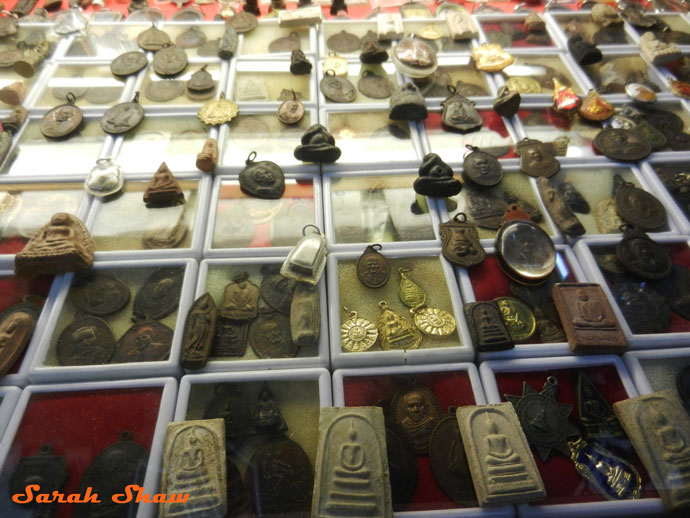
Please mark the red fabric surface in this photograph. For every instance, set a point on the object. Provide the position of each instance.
(13, 289)
(210, 11)
(489, 281)
(518, 27)
(680, 254)
(563, 484)
(451, 388)
(79, 425)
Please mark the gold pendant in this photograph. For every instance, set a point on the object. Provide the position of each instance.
(433, 321)
(430, 32)
(396, 331)
(409, 293)
(218, 111)
(335, 63)
(357, 334)
(490, 57)
(595, 108)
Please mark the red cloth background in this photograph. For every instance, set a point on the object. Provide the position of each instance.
(451, 388)
(79, 425)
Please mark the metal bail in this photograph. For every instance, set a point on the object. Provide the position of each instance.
(307, 260)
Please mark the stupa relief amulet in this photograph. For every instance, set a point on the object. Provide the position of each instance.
(501, 463)
(352, 477)
(659, 428)
(194, 463)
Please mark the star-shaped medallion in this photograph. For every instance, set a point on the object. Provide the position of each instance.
(544, 420)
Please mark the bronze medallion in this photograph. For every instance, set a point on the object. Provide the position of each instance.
(644, 131)
(280, 479)
(16, 330)
(678, 141)
(663, 120)
(164, 91)
(621, 144)
(269, 336)
(153, 39)
(286, 43)
(373, 269)
(459, 112)
(676, 290)
(536, 158)
(231, 338)
(561, 214)
(402, 466)
(486, 209)
(640, 92)
(199, 332)
(264, 180)
(277, 291)
(486, 327)
(643, 257)
(115, 468)
(128, 63)
(337, 89)
(544, 420)
(62, 121)
(343, 42)
(192, 38)
(639, 208)
(481, 168)
(241, 299)
(160, 295)
(375, 86)
(86, 341)
(290, 112)
(460, 242)
(123, 117)
(449, 462)
(169, 61)
(145, 342)
(242, 22)
(417, 411)
(644, 310)
(99, 294)
(229, 405)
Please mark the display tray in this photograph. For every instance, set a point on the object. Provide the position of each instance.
(79, 421)
(567, 493)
